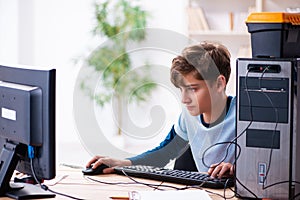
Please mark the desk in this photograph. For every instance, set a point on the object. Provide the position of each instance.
(75, 184)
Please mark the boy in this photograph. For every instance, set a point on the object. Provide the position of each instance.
(207, 125)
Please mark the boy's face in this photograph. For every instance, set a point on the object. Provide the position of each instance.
(196, 95)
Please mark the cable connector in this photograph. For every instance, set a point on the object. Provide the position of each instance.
(44, 187)
(30, 151)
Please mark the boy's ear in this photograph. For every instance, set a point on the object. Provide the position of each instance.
(221, 82)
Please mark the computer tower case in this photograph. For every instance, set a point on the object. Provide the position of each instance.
(267, 132)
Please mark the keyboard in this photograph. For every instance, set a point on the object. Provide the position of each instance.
(175, 176)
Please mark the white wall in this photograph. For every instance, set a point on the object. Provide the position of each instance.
(9, 31)
(54, 33)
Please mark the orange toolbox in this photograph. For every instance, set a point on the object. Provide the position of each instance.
(274, 34)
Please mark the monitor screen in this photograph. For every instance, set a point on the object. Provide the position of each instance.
(27, 121)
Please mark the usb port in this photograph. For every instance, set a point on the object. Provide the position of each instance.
(261, 173)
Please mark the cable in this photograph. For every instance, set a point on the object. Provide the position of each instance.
(249, 103)
(149, 185)
(108, 183)
(270, 156)
(43, 186)
(274, 131)
(294, 197)
(226, 154)
(234, 140)
(154, 186)
(224, 192)
(246, 188)
(234, 192)
(245, 129)
(281, 182)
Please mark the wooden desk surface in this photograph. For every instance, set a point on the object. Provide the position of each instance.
(75, 184)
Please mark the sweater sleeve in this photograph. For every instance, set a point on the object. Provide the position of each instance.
(172, 147)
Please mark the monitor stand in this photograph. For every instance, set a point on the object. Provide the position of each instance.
(28, 191)
(9, 158)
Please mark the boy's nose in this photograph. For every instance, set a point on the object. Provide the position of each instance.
(185, 99)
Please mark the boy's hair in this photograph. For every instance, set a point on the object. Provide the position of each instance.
(206, 61)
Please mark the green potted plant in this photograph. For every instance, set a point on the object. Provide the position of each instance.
(121, 22)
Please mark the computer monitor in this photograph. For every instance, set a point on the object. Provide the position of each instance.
(27, 126)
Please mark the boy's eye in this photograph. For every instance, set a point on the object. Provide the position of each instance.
(192, 89)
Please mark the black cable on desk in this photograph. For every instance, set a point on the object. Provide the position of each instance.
(156, 186)
(45, 187)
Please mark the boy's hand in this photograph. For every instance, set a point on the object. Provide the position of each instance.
(111, 162)
(221, 170)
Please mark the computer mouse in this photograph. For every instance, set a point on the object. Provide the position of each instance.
(90, 171)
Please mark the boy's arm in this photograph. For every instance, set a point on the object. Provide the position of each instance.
(170, 148)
